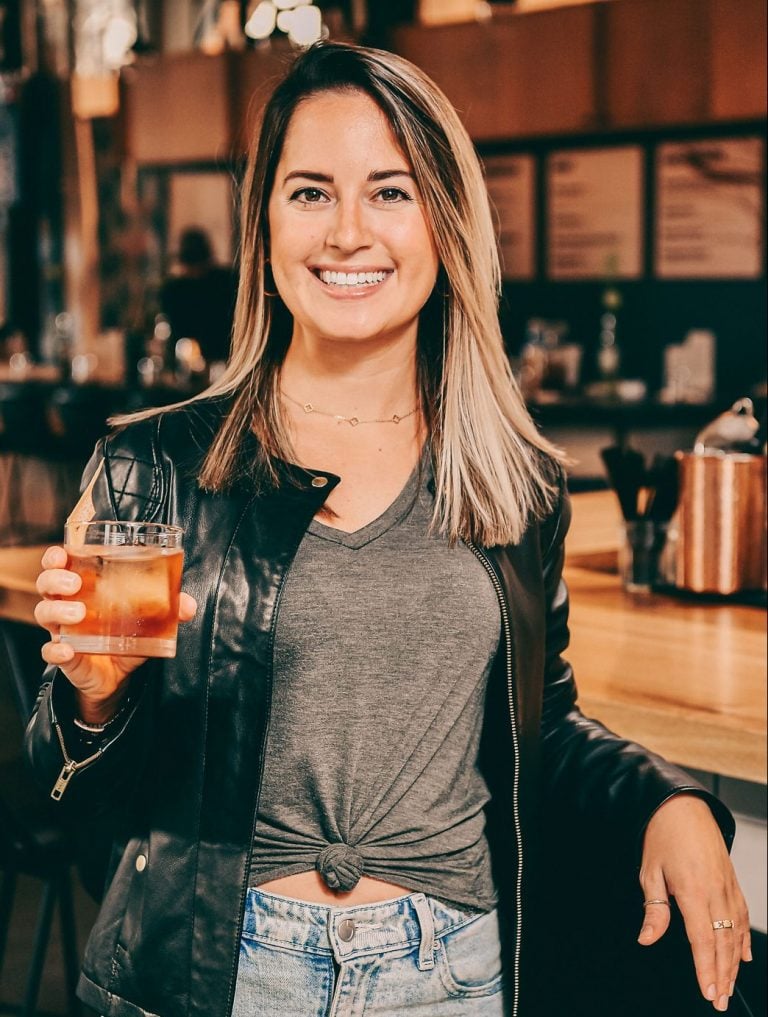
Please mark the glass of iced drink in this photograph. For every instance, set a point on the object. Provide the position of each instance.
(131, 579)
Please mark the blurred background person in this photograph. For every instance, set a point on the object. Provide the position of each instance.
(198, 298)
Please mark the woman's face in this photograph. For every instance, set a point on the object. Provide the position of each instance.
(351, 252)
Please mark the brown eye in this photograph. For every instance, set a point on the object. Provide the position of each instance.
(308, 195)
(392, 194)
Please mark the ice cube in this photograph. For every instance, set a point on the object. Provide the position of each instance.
(136, 582)
(147, 588)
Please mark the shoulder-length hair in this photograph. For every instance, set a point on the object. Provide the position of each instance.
(488, 456)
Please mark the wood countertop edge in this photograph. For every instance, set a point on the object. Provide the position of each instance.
(689, 741)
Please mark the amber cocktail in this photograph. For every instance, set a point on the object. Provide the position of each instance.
(131, 579)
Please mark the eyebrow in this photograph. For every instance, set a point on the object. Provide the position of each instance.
(322, 178)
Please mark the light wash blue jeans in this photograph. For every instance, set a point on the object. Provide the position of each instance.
(412, 955)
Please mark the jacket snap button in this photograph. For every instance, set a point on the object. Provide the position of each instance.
(141, 863)
(319, 481)
(346, 930)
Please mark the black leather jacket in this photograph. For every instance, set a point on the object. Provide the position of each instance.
(179, 780)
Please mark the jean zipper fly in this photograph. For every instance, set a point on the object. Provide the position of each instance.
(507, 628)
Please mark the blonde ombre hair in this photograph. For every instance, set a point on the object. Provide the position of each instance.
(489, 459)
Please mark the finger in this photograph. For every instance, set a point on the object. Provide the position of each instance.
(59, 654)
(701, 936)
(724, 950)
(54, 558)
(58, 583)
(741, 936)
(732, 940)
(187, 607)
(50, 614)
(656, 916)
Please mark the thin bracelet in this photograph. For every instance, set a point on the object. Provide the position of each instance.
(90, 728)
(101, 728)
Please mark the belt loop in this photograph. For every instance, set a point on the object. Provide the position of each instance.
(427, 926)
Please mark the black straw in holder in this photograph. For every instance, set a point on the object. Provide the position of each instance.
(626, 472)
(645, 524)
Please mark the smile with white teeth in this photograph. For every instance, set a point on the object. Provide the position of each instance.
(351, 278)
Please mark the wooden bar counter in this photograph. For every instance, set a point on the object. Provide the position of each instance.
(685, 678)
(19, 568)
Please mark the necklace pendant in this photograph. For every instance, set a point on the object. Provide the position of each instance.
(308, 408)
(396, 419)
(354, 421)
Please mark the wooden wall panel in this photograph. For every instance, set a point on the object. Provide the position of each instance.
(601, 65)
(654, 62)
(254, 75)
(514, 74)
(178, 109)
(738, 59)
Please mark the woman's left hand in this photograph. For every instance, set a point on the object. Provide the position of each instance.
(684, 855)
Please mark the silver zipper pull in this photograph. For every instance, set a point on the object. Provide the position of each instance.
(64, 778)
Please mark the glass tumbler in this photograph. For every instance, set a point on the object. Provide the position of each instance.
(131, 580)
(640, 554)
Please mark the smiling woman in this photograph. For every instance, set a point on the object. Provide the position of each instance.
(350, 246)
(328, 802)
(354, 261)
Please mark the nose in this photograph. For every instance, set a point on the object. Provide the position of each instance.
(349, 228)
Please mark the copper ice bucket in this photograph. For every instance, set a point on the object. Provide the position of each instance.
(721, 522)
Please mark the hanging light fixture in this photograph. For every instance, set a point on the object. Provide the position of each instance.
(105, 32)
(300, 20)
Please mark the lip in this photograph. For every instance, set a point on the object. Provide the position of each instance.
(349, 292)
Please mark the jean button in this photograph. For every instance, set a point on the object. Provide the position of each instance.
(346, 930)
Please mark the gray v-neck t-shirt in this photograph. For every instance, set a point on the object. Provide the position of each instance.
(384, 641)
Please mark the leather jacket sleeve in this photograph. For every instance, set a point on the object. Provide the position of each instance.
(89, 779)
(588, 771)
(99, 778)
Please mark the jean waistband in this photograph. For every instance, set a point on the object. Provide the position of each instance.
(348, 932)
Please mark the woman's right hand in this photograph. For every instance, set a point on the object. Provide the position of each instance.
(99, 679)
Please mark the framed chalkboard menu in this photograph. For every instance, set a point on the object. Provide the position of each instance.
(511, 181)
(709, 209)
(595, 213)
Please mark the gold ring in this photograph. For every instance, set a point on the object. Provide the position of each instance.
(722, 923)
(660, 900)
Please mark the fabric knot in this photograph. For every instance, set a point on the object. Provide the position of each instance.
(340, 866)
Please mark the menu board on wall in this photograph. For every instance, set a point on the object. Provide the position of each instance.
(595, 213)
(511, 185)
(709, 209)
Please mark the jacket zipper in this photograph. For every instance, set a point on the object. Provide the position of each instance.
(492, 575)
(262, 755)
(70, 767)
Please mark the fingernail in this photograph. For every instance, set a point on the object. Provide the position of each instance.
(749, 953)
(722, 1003)
(646, 930)
(733, 986)
(711, 992)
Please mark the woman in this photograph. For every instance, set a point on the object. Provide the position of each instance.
(321, 801)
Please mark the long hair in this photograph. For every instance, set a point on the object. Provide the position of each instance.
(487, 453)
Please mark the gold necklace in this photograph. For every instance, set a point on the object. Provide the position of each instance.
(352, 421)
